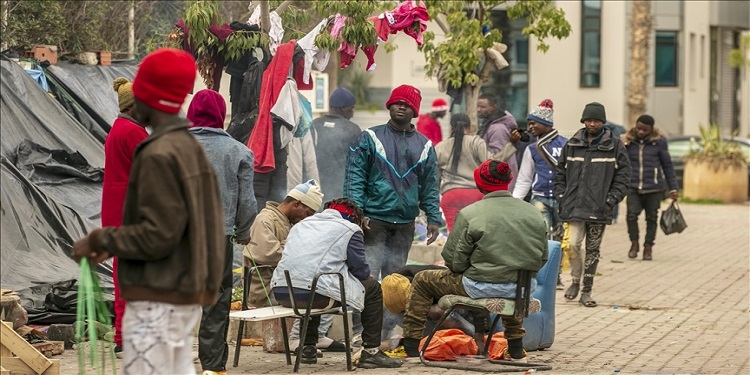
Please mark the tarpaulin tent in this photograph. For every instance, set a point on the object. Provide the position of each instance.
(86, 92)
(52, 169)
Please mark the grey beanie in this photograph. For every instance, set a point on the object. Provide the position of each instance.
(594, 111)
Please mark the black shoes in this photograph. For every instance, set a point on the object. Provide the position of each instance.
(309, 355)
(378, 360)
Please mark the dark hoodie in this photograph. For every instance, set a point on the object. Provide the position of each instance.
(232, 161)
(650, 162)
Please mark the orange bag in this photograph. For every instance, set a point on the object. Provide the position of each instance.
(448, 344)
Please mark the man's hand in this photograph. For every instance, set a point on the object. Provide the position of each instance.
(432, 233)
(82, 248)
(673, 195)
(515, 136)
(242, 241)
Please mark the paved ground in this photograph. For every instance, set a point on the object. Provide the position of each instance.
(685, 312)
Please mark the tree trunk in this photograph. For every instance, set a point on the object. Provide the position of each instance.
(471, 95)
(131, 30)
(639, 57)
(333, 73)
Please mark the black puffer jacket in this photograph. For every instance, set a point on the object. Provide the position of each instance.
(591, 179)
(650, 162)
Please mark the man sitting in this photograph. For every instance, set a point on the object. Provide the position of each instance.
(491, 241)
(332, 241)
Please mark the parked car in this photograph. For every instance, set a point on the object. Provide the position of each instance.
(679, 146)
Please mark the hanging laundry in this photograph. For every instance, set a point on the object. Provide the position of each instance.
(276, 30)
(274, 78)
(409, 16)
(313, 54)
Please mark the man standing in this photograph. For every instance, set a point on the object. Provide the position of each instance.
(391, 172)
(428, 124)
(651, 163)
(233, 164)
(332, 134)
(169, 243)
(119, 148)
(496, 127)
(332, 241)
(538, 168)
(593, 173)
(483, 253)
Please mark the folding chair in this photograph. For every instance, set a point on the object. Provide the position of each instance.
(280, 312)
(520, 307)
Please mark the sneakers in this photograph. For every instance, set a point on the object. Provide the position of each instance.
(118, 351)
(324, 343)
(398, 352)
(377, 360)
(309, 355)
(560, 285)
(357, 340)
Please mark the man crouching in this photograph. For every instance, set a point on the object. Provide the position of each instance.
(491, 241)
(332, 241)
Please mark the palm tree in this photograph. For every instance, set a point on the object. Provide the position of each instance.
(640, 37)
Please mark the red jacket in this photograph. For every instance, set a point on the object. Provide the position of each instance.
(430, 128)
(119, 149)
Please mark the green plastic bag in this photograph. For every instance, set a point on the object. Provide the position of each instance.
(92, 318)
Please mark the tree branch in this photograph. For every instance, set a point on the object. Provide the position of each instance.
(441, 21)
(283, 6)
(265, 19)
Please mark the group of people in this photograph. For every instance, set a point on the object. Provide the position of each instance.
(178, 193)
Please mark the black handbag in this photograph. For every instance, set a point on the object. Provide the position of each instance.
(672, 220)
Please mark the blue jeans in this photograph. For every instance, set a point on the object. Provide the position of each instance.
(548, 207)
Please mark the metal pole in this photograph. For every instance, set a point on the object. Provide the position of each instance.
(131, 31)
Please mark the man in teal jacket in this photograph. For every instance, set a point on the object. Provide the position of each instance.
(491, 241)
(391, 172)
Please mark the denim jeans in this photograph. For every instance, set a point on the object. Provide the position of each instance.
(548, 207)
(593, 233)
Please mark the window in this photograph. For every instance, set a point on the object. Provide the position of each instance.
(590, 43)
(665, 65)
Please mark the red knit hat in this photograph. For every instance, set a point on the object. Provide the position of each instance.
(439, 104)
(493, 175)
(164, 78)
(407, 94)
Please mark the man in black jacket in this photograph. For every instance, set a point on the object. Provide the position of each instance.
(593, 174)
(649, 155)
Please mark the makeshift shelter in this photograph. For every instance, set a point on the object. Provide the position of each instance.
(52, 169)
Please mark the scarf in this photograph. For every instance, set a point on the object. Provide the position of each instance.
(543, 150)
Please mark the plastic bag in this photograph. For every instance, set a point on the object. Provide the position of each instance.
(447, 344)
(672, 220)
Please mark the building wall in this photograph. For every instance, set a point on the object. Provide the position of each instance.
(696, 42)
(556, 74)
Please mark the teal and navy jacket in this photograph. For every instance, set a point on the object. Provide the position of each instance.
(391, 174)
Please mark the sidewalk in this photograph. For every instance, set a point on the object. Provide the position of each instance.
(685, 312)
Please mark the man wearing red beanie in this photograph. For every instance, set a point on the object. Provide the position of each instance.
(170, 245)
(483, 253)
(428, 123)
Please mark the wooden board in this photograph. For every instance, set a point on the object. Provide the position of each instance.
(17, 366)
(25, 352)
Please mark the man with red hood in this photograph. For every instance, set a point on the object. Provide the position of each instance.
(233, 163)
